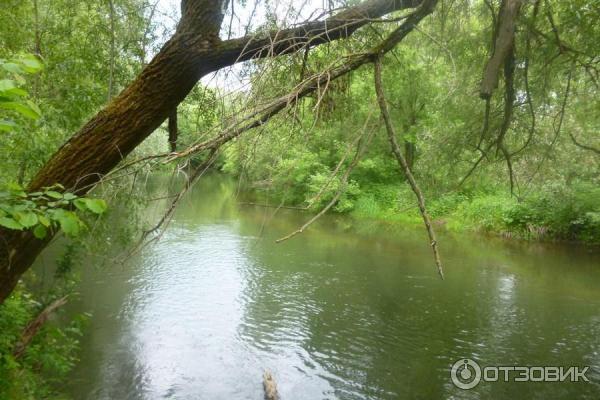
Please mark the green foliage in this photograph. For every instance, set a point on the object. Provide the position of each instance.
(47, 359)
(570, 213)
(45, 210)
(486, 212)
(431, 84)
(14, 100)
(72, 39)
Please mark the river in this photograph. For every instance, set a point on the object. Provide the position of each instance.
(346, 310)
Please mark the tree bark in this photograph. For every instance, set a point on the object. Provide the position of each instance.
(173, 131)
(194, 51)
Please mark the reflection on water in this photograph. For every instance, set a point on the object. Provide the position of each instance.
(335, 313)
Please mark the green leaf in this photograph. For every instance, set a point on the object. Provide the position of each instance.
(44, 220)
(69, 222)
(40, 231)
(7, 126)
(7, 84)
(23, 109)
(10, 223)
(28, 219)
(34, 107)
(54, 195)
(12, 67)
(69, 196)
(31, 64)
(97, 206)
(16, 92)
(80, 204)
(55, 186)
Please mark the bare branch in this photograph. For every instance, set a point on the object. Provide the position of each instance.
(403, 164)
(583, 146)
(339, 26)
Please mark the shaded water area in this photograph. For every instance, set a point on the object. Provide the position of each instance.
(346, 310)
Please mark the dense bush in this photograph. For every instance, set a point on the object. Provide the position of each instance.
(571, 213)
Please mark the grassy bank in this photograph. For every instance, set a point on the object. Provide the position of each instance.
(551, 213)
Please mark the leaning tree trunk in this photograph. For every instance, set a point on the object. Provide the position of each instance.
(194, 51)
(115, 131)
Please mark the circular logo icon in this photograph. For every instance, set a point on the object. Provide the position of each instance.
(465, 374)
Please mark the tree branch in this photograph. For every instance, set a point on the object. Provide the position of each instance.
(34, 326)
(310, 84)
(313, 33)
(583, 146)
(404, 165)
(505, 36)
(194, 51)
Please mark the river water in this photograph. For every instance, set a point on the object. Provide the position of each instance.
(346, 310)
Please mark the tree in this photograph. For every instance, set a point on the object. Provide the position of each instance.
(193, 51)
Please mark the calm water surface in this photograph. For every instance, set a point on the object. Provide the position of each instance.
(344, 311)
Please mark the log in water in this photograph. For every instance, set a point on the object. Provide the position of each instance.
(270, 386)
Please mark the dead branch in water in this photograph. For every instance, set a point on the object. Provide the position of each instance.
(270, 387)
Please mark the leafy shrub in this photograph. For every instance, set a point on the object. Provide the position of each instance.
(446, 204)
(559, 211)
(47, 359)
(45, 210)
(486, 212)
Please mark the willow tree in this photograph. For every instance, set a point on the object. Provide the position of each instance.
(194, 50)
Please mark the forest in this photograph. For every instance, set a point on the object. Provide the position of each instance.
(438, 117)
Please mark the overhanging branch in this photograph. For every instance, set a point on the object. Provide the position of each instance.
(309, 85)
(285, 41)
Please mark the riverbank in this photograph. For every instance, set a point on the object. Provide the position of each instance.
(552, 213)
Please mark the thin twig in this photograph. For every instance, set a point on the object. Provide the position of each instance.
(360, 150)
